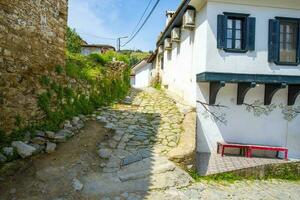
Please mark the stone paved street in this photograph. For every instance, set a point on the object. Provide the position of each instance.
(252, 190)
(146, 127)
(130, 160)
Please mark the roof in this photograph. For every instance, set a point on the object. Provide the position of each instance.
(152, 57)
(138, 66)
(98, 45)
(176, 20)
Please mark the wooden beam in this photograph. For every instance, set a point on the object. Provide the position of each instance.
(247, 78)
(270, 90)
(214, 88)
(243, 88)
(294, 91)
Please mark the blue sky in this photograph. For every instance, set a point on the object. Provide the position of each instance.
(114, 18)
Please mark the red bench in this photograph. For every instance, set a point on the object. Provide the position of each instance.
(268, 148)
(248, 148)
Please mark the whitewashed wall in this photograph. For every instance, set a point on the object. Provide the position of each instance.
(182, 63)
(250, 62)
(197, 52)
(142, 77)
(241, 125)
(234, 123)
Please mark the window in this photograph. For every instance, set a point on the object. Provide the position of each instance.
(162, 63)
(288, 41)
(236, 32)
(284, 42)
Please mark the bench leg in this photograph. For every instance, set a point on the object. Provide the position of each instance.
(286, 154)
(249, 153)
(223, 149)
(218, 148)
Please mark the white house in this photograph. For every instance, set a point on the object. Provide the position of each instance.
(141, 74)
(238, 63)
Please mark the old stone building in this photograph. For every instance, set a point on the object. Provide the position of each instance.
(32, 43)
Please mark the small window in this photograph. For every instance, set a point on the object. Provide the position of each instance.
(284, 41)
(288, 42)
(236, 32)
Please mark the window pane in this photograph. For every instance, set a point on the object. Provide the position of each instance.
(229, 23)
(238, 44)
(238, 34)
(288, 41)
(238, 24)
(229, 43)
(229, 33)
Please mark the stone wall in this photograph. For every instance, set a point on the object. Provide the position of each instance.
(32, 43)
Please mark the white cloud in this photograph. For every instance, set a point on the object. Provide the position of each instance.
(93, 17)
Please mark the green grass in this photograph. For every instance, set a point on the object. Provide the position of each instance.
(286, 172)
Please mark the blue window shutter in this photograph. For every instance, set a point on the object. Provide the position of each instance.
(250, 33)
(274, 37)
(221, 34)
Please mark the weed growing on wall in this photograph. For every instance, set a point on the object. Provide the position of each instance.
(89, 82)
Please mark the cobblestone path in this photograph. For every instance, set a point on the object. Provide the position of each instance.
(146, 127)
(250, 190)
(129, 160)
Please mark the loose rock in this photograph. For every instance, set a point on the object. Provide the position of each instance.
(8, 151)
(50, 147)
(38, 140)
(105, 153)
(2, 158)
(77, 185)
(50, 134)
(24, 150)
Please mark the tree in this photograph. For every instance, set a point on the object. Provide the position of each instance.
(74, 41)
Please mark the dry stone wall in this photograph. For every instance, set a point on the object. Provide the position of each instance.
(32, 43)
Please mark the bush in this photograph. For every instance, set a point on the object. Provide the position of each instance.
(102, 60)
(74, 41)
(94, 84)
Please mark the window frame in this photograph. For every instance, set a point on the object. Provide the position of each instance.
(242, 17)
(278, 62)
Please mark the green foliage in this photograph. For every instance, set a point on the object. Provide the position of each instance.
(58, 69)
(288, 172)
(45, 80)
(18, 120)
(98, 58)
(101, 86)
(3, 138)
(156, 82)
(74, 41)
(44, 101)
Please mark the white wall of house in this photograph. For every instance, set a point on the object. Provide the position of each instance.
(142, 76)
(197, 52)
(242, 125)
(253, 61)
(237, 124)
(89, 50)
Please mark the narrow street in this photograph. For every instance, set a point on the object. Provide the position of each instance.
(122, 153)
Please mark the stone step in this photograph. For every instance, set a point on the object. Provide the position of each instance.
(162, 168)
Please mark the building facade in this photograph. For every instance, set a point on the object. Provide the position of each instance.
(238, 63)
